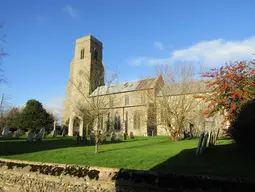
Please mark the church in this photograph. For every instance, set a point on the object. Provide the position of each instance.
(128, 106)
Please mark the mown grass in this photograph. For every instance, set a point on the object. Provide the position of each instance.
(144, 153)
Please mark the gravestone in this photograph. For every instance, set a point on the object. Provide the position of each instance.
(84, 139)
(211, 141)
(30, 136)
(131, 135)
(42, 130)
(16, 134)
(5, 132)
(91, 139)
(10, 134)
(208, 139)
(125, 136)
(78, 139)
(200, 142)
(205, 141)
(112, 137)
(38, 136)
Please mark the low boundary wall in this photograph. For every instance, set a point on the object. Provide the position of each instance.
(22, 176)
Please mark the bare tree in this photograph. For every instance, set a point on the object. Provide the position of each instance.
(177, 103)
(97, 104)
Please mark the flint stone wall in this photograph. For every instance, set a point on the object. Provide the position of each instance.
(22, 176)
(44, 177)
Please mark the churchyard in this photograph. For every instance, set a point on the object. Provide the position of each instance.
(143, 153)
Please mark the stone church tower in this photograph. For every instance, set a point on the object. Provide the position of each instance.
(86, 74)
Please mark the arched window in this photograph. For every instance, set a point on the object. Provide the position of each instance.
(117, 123)
(137, 120)
(126, 123)
(108, 123)
(101, 122)
(82, 54)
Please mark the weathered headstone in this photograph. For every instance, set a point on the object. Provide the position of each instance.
(38, 136)
(16, 134)
(5, 132)
(42, 130)
(112, 137)
(211, 141)
(84, 139)
(208, 139)
(10, 134)
(125, 136)
(205, 141)
(200, 141)
(30, 136)
(131, 135)
(78, 139)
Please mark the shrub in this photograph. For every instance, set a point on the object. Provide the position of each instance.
(242, 128)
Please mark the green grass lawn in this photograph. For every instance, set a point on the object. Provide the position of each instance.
(146, 153)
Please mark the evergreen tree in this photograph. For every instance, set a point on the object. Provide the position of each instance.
(35, 117)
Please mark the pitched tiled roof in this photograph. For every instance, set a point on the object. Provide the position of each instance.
(184, 88)
(125, 87)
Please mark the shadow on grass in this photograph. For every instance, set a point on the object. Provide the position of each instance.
(15, 147)
(220, 160)
(220, 168)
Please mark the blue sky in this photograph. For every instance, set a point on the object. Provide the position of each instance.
(136, 34)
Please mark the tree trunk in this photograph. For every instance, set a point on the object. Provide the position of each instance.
(96, 144)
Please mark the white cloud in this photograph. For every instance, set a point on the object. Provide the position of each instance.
(138, 60)
(70, 10)
(54, 106)
(211, 53)
(159, 45)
